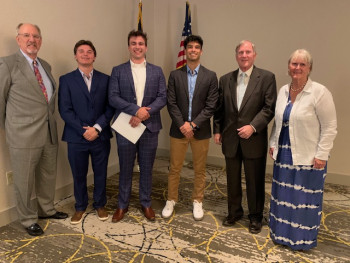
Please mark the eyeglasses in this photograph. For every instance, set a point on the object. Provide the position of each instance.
(27, 36)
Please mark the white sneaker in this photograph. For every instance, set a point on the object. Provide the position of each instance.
(168, 209)
(198, 213)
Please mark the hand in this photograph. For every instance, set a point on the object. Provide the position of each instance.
(217, 138)
(271, 152)
(245, 132)
(90, 134)
(186, 130)
(134, 121)
(143, 113)
(319, 164)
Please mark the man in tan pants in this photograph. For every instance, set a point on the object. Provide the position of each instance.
(192, 97)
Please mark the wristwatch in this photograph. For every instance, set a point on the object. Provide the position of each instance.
(98, 131)
(193, 128)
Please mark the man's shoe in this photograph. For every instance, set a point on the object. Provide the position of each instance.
(77, 217)
(255, 226)
(168, 209)
(149, 213)
(119, 214)
(230, 221)
(198, 213)
(57, 215)
(34, 230)
(102, 214)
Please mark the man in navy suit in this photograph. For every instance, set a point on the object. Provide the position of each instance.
(137, 88)
(83, 105)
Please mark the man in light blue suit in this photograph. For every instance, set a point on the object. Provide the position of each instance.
(83, 105)
(138, 89)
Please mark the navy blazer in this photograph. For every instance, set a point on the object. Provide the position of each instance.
(122, 94)
(79, 107)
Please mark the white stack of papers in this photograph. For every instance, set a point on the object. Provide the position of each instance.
(122, 126)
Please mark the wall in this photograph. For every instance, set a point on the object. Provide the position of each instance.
(276, 27)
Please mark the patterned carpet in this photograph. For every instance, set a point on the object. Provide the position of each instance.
(178, 239)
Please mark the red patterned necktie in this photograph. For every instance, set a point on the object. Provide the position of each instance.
(40, 79)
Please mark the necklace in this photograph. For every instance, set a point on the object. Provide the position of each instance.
(297, 90)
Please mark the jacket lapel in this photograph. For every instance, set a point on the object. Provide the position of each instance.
(81, 83)
(233, 88)
(184, 81)
(253, 81)
(200, 78)
(29, 74)
(130, 77)
(148, 79)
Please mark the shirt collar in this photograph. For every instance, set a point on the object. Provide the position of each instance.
(141, 65)
(195, 70)
(90, 74)
(29, 59)
(248, 72)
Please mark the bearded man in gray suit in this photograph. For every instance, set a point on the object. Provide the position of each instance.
(27, 105)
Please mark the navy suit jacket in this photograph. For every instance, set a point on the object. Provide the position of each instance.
(122, 94)
(79, 107)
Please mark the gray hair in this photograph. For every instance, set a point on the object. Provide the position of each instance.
(21, 24)
(244, 41)
(304, 54)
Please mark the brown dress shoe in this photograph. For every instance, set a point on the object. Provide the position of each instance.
(149, 213)
(102, 214)
(119, 214)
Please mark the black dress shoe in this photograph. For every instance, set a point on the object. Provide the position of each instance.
(230, 221)
(255, 227)
(34, 230)
(57, 215)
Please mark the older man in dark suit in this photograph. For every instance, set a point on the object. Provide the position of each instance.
(192, 97)
(137, 88)
(27, 106)
(246, 106)
(83, 105)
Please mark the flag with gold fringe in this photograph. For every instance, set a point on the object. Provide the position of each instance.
(187, 31)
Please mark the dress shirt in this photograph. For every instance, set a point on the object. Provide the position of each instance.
(45, 77)
(312, 123)
(191, 80)
(139, 76)
(242, 84)
(87, 79)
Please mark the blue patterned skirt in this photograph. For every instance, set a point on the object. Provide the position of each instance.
(296, 199)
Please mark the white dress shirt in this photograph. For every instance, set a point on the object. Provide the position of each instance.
(139, 76)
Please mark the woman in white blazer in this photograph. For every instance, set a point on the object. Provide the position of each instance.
(301, 139)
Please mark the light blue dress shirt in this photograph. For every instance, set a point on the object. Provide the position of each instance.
(191, 80)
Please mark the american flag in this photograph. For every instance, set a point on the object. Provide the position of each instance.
(139, 18)
(187, 31)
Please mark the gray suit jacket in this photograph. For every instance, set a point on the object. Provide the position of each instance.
(257, 109)
(203, 104)
(24, 112)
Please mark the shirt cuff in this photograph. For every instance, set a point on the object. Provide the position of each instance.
(253, 127)
(98, 127)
